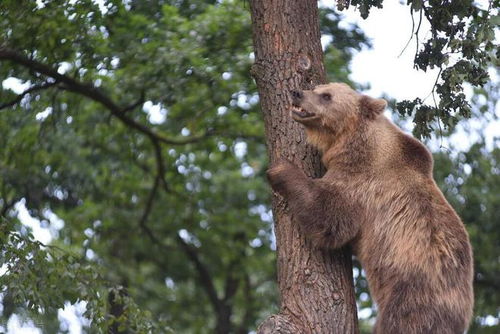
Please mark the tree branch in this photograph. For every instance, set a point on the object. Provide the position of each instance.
(159, 178)
(27, 91)
(92, 92)
(487, 282)
(160, 167)
(136, 104)
(232, 282)
(203, 274)
(411, 34)
(249, 306)
(418, 30)
(147, 211)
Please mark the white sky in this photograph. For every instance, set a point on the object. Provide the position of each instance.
(382, 67)
(390, 72)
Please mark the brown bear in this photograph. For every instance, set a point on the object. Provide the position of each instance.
(378, 196)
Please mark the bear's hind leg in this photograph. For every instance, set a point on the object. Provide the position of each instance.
(410, 318)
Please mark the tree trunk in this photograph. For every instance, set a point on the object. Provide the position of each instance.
(317, 294)
(116, 310)
(223, 320)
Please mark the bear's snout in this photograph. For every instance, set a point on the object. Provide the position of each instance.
(297, 97)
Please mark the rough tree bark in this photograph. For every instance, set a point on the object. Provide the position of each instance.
(317, 294)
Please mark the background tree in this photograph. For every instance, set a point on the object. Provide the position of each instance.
(132, 133)
(137, 126)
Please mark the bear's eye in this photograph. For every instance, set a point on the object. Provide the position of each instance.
(326, 97)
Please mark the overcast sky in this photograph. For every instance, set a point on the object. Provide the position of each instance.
(389, 71)
(385, 67)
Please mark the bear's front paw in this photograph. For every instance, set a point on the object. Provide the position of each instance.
(280, 173)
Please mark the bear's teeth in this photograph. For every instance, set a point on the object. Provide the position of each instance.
(301, 112)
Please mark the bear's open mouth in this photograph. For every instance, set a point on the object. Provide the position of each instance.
(301, 112)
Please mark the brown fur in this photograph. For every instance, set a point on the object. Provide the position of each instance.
(378, 195)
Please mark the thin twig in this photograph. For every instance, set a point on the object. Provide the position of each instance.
(434, 85)
(435, 106)
(412, 31)
(136, 104)
(417, 32)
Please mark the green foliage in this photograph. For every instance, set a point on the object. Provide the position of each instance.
(364, 6)
(462, 46)
(43, 278)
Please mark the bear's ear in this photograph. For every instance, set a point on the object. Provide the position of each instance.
(370, 107)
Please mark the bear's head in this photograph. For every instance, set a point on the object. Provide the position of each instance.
(332, 111)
